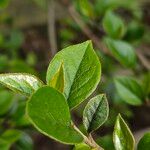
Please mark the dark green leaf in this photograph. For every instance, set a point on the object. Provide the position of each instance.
(82, 71)
(95, 113)
(122, 136)
(49, 113)
(21, 82)
(129, 90)
(24, 143)
(57, 81)
(144, 143)
(122, 51)
(113, 25)
(146, 84)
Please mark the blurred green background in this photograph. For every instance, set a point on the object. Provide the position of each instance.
(32, 31)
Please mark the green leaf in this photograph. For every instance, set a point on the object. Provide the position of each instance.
(24, 143)
(146, 84)
(122, 51)
(49, 113)
(129, 90)
(135, 31)
(95, 113)
(8, 138)
(11, 135)
(4, 145)
(21, 82)
(122, 136)
(3, 3)
(57, 81)
(6, 101)
(144, 143)
(82, 71)
(113, 25)
(81, 146)
(86, 8)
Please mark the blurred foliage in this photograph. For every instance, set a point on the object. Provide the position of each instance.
(120, 26)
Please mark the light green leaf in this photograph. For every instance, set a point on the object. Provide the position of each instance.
(4, 145)
(49, 113)
(129, 90)
(81, 146)
(21, 82)
(57, 81)
(82, 71)
(6, 101)
(95, 113)
(144, 143)
(8, 138)
(86, 8)
(122, 136)
(122, 51)
(113, 25)
(11, 135)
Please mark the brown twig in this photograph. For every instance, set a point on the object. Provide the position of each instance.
(143, 60)
(51, 27)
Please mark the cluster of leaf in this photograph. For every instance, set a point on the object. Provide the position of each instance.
(72, 76)
(123, 32)
(12, 106)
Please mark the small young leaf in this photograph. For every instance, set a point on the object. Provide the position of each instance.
(144, 143)
(95, 113)
(21, 82)
(129, 90)
(86, 8)
(81, 146)
(48, 111)
(57, 81)
(122, 51)
(113, 25)
(82, 71)
(122, 136)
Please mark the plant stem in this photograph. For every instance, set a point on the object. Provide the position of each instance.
(88, 140)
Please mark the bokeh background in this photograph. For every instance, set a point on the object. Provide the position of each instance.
(33, 31)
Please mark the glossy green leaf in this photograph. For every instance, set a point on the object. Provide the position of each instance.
(113, 25)
(129, 90)
(122, 136)
(21, 82)
(49, 113)
(95, 112)
(82, 71)
(6, 101)
(144, 143)
(122, 51)
(57, 81)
